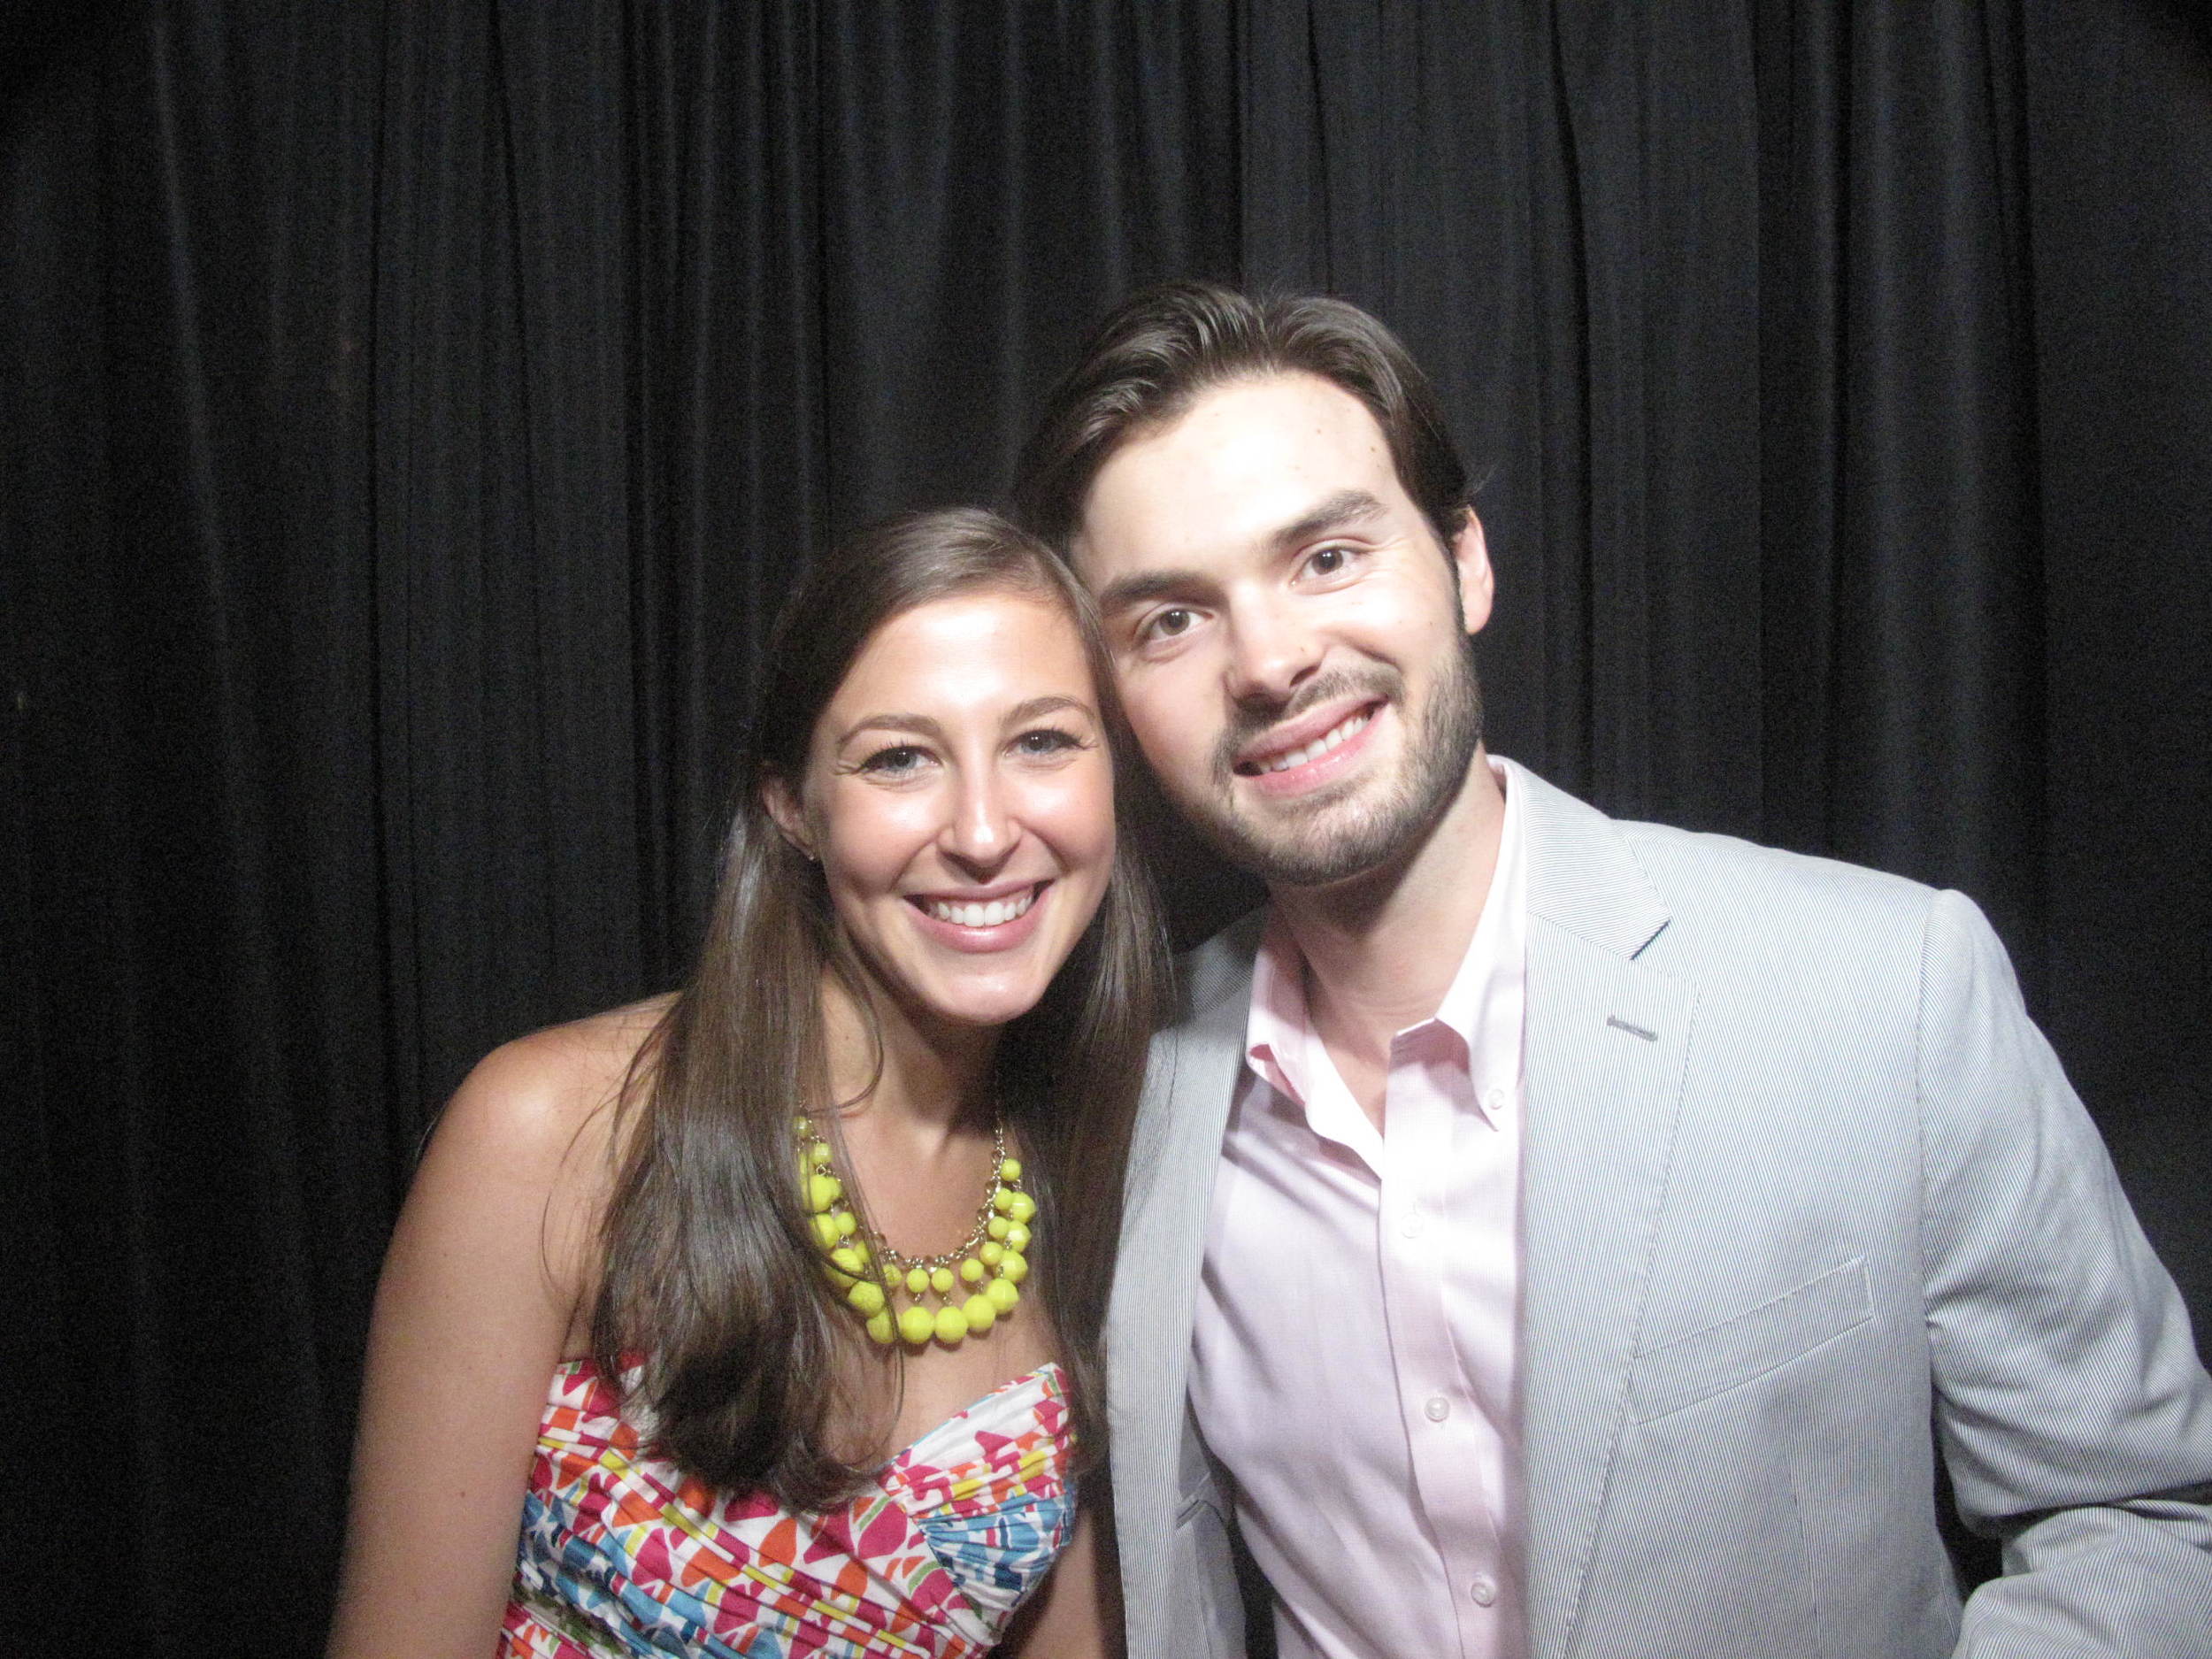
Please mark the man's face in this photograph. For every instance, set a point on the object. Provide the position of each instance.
(1289, 641)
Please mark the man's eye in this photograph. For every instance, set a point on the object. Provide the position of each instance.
(1169, 623)
(1329, 560)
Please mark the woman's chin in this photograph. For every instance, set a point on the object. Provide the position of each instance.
(982, 1009)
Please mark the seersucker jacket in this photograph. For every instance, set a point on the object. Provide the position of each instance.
(1808, 1207)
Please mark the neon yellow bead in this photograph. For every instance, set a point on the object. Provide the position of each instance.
(801, 1124)
(882, 1326)
(996, 1227)
(1023, 1209)
(1013, 1268)
(940, 1280)
(971, 1271)
(916, 1325)
(848, 1224)
(858, 1246)
(867, 1295)
(1003, 1295)
(825, 1230)
(951, 1326)
(980, 1314)
(1018, 1237)
(822, 1191)
(818, 1154)
(1001, 1201)
(1010, 1169)
(991, 1252)
(917, 1280)
(848, 1259)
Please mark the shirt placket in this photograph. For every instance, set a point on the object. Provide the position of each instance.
(1444, 1425)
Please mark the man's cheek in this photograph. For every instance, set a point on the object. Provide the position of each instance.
(1172, 747)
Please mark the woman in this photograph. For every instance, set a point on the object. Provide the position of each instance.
(815, 1253)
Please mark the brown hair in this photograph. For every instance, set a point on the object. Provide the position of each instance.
(1152, 357)
(709, 1268)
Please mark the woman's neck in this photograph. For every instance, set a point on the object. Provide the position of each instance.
(935, 1076)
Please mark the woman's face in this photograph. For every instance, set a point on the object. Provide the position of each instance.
(959, 796)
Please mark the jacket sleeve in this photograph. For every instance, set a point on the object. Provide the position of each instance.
(2071, 1407)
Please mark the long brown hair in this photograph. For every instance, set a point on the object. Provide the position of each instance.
(709, 1268)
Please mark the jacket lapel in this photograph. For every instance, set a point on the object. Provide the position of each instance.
(1607, 1041)
(1170, 1196)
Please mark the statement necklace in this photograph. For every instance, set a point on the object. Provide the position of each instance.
(959, 1294)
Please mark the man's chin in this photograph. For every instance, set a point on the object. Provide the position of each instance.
(1316, 854)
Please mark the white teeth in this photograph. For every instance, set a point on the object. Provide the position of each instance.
(1320, 746)
(988, 914)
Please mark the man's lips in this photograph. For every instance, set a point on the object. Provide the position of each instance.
(1307, 739)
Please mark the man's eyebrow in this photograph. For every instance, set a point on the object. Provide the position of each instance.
(1347, 506)
(1331, 513)
(1124, 592)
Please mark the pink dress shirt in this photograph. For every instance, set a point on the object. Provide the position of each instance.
(1354, 1349)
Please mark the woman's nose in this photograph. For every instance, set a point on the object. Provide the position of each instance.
(983, 828)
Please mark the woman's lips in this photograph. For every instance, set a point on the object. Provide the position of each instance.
(980, 936)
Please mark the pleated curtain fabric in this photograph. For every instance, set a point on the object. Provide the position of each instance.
(414, 414)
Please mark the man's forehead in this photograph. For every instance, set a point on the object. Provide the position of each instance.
(1245, 463)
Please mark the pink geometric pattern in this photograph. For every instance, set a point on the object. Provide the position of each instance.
(623, 1555)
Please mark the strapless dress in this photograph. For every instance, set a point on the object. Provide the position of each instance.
(622, 1554)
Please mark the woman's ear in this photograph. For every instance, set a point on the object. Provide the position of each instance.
(783, 806)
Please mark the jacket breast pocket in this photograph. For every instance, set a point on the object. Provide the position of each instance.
(1743, 1349)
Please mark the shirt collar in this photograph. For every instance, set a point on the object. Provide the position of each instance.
(1483, 1007)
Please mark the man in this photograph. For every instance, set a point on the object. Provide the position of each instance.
(1548, 1234)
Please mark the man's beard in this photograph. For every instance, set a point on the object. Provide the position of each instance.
(1322, 839)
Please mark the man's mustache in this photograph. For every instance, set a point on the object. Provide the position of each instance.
(1248, 721)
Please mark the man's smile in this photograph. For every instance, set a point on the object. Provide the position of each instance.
(1295, 745)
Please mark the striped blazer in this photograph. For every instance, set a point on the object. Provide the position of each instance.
(1807, 1206)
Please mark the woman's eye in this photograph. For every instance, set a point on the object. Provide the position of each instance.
(1047, 740)
(900, 759)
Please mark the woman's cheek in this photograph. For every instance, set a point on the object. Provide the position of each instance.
(1084, 815)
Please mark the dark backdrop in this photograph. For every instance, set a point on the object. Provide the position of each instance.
(413, 412)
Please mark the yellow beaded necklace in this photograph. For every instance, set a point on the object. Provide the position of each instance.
(972, 1284)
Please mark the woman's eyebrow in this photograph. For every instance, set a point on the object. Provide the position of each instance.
(1053, 702)
(918, 724)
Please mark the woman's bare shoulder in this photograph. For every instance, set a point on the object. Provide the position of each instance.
(555, 1091)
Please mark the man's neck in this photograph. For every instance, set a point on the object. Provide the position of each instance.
(1381, 951)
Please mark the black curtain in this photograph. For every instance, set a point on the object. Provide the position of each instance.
(413, 414)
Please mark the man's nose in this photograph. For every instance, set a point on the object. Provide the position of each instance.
(1269, 653)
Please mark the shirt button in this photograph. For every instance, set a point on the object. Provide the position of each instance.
(1438, 1408)
(1410, 1224)
(1484, 1589)
(1495, 1101)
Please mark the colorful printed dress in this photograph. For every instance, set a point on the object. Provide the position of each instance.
(621, 1555)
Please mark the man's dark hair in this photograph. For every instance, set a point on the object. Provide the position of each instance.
(1153, 357)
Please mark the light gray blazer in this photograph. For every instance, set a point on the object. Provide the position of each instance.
(1806, 1200)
